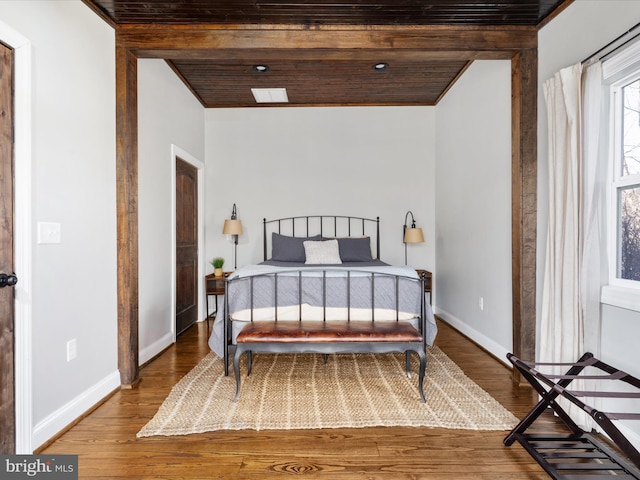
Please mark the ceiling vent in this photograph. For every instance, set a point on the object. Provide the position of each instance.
(270, 95)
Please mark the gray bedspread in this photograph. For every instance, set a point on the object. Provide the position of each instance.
(395, 289)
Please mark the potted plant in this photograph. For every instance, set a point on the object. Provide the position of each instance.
(217, 263)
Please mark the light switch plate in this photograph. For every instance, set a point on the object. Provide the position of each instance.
(49, 232)
(72, 349)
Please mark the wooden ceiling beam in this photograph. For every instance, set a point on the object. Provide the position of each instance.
(326, 55)
(188, 40)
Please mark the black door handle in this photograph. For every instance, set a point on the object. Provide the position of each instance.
(8, 280)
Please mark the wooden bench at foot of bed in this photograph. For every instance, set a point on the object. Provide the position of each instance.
(290, 336)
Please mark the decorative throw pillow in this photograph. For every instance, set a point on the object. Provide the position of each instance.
(322, 253)
(289, 249)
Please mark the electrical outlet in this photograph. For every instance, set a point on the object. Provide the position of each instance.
(481, 304)
(72, 350)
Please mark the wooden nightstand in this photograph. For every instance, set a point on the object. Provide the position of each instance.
(428, 282)
(213, 286)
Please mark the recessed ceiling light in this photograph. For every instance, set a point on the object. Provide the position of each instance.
(380, 66)
(270, 95)
(260, 68)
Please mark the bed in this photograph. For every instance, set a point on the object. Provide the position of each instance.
(321, 269)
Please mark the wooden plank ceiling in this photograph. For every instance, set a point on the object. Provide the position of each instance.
(323, 76)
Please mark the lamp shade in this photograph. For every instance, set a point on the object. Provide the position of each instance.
(232, 227)
(413, 235)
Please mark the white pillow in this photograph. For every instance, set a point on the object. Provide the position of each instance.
(322, 253)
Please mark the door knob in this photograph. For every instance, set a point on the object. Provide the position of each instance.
(8, 280)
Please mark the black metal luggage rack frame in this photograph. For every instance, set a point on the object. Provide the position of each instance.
(578, 455)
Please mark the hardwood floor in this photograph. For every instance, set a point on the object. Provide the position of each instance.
(106, 442)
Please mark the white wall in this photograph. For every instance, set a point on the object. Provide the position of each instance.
(73, 145)
(278, 162)
(595, 23)
(74, 282)
(473, 205)
(168, 114)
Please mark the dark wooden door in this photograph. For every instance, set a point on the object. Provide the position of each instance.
(7, 370)
(186, 245)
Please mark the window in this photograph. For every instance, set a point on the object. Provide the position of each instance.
(622, 74)
(626, 178)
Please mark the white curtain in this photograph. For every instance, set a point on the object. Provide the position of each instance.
(595, 161)
(570, 315)
(561, 317)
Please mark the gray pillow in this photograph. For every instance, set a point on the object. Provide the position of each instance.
(355, 249)
(289, 249)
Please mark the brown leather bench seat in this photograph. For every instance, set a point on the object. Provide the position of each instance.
(315, 336)
(285, 331)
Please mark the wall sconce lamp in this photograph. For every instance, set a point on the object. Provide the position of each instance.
(410, 234)
(233, 227)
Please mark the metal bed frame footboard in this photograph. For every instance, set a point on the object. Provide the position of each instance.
(330, 225)
(341, 344)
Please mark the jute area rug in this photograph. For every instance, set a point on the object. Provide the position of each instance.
(302, 392)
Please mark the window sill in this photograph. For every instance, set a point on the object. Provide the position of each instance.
(628, 298)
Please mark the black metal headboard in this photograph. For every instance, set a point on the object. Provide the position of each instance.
(329, 225)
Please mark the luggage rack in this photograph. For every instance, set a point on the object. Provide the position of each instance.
(578, 455)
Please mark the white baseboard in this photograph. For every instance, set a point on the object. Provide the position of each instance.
(155, 348)
(485, 342)
(70, 412)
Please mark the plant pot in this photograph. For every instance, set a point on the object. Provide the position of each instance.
(217, 272)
